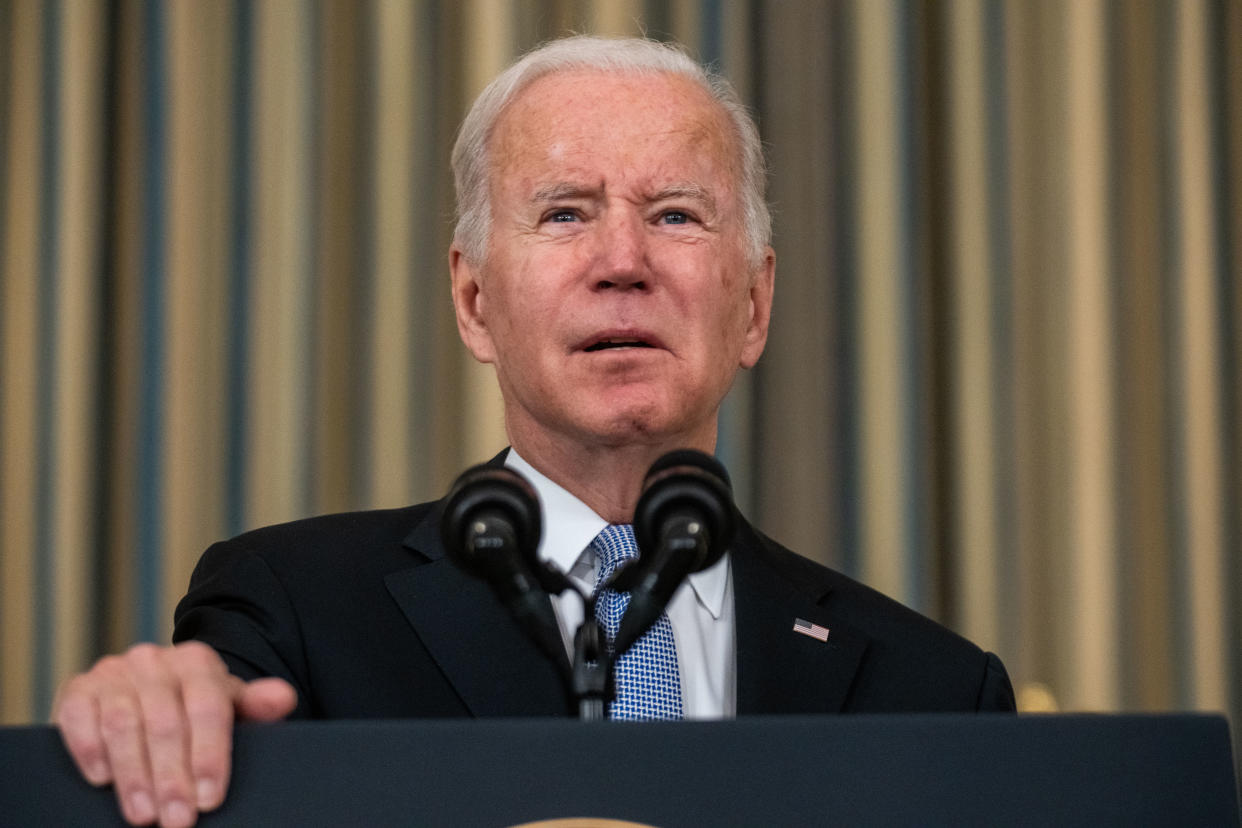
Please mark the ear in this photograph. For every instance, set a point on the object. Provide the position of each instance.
(468, 302)
(761, 287)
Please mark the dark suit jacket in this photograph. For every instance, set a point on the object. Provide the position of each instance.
(366, 617)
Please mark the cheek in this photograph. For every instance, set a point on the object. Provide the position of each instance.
(502, 301)
(733, 308)
(522, 327)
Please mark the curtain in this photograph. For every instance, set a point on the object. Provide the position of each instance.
(1004, 377)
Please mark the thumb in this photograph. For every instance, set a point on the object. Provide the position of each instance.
(266, 700)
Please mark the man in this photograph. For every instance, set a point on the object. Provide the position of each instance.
(612, 262)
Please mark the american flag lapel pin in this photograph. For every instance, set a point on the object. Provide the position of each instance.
(813, 630)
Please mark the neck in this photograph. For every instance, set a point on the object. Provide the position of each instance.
(608, 479)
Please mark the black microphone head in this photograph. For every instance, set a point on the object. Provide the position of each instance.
(690, 457)
(687, 482)
(496, 495)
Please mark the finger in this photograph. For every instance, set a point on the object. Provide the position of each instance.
(209, 694)
(76, 715)
(211, 731)
(266, 700)
(120, 725)
(210, 714)
(167, 734)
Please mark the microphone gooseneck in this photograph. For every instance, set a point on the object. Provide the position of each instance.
(684, 522)
(491, 529)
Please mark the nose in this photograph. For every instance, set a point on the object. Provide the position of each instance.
(622, 255)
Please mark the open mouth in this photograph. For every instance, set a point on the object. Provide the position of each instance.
(609, 344)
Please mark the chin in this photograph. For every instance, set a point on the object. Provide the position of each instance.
(638, 427)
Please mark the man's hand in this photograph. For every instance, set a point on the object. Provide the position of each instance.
(157, 722)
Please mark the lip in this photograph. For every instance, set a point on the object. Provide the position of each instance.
(637, 335)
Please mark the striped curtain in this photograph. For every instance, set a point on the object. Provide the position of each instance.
(1009, 233)
(1005, 372)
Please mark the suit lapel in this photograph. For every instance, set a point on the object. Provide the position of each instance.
(780, 670)
(485, 656)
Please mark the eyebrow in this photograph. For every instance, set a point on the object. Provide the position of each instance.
(566, 190)
(563, 190)
(689, 190)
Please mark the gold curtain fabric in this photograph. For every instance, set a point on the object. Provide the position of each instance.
(1004, 378)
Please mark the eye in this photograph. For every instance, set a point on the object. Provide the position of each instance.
(561, 216)
(674, 217)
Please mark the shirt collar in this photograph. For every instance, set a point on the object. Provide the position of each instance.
(569, 526)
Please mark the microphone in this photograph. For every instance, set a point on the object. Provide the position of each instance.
(491, 529)
(684, 522)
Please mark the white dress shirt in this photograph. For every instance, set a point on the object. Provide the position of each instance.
(701, 610)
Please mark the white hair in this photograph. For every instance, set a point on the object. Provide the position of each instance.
(622, 55)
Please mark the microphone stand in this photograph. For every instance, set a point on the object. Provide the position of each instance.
(591, 673)
(592, 681)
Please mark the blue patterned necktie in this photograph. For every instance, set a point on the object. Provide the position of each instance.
(648, 682)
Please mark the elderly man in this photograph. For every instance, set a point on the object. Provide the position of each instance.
(612, 262)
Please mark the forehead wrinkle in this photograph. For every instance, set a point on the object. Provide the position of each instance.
(530, 133)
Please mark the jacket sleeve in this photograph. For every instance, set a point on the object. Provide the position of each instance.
(996, 691)
(237, 605)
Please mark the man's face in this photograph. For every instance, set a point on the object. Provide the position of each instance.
(616, 300)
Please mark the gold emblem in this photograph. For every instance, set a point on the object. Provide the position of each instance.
(583, 822)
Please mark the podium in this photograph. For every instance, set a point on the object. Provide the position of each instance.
(921, 770)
